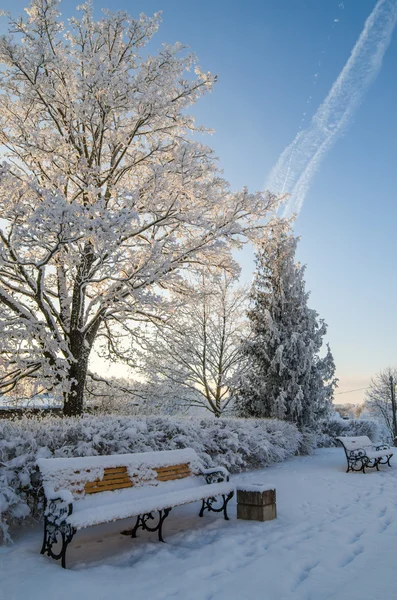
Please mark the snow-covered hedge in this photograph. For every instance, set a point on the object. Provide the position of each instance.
(236, 444)
(349, 427)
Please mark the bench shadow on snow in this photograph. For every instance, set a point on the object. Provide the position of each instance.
(104, 545)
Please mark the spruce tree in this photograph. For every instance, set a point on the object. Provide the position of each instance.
(286, 378)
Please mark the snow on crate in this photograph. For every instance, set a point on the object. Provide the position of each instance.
(248, 486)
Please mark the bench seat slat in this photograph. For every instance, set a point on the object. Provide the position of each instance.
(125, 505)
(378, 453)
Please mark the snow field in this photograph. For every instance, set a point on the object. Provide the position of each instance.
(335, 537)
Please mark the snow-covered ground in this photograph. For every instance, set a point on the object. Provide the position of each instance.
(335, 537)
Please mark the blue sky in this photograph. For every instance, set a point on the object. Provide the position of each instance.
(266, 54)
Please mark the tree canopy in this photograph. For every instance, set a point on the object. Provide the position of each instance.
(105, 192)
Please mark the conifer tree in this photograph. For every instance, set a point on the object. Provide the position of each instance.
(286, 378)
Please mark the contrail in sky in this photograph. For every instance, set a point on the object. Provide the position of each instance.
(300, 160)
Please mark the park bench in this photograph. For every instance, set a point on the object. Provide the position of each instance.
(361, 453)
(85, 491)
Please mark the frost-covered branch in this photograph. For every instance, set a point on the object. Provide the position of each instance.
(197, 347)
(104, 193)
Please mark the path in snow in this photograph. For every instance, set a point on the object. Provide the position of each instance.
(335, 537)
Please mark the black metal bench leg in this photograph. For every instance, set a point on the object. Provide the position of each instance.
(43, 548)
(65, 543)
(136, 526)
(208, 504)
(162, 516)
(54, 534)
(143, 520)
(225, 501)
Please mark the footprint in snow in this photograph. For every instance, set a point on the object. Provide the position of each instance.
(298, 540)
(382, 512)
(385, 525)
(305, 574)
(354, 539)
(346, 561)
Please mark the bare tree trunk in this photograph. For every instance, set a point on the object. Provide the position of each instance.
(74, 398)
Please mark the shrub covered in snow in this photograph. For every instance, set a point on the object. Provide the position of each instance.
(350, 427)
(236, 444)
(309, 441)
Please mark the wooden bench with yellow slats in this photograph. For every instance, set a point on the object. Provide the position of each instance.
(85, 491)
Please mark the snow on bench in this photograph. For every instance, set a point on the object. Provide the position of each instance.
(361, 452)
(85, 491)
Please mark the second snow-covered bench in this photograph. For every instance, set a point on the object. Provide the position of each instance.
(361, 453)
(86, 491)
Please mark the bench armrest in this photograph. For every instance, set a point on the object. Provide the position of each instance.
(58, 505)
(383, 447)
(356, 453)
(215, 475)
(51, 494)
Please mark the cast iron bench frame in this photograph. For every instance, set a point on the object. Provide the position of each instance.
(59, 504)
(361, 453)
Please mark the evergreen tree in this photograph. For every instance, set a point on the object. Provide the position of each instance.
(286, 378)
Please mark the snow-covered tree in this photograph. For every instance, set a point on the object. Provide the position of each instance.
(286, 377)
(104, 192)
(132, 397)
(378, 402)
(196, 348)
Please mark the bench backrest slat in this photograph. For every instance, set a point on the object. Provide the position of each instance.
(175, 472)
(113, 479)
(352, 443)
(92, 475)
(117, 479)
(94, 488)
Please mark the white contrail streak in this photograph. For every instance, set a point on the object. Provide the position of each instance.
(300, 160)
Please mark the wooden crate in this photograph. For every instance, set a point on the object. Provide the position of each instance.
(255, 503)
